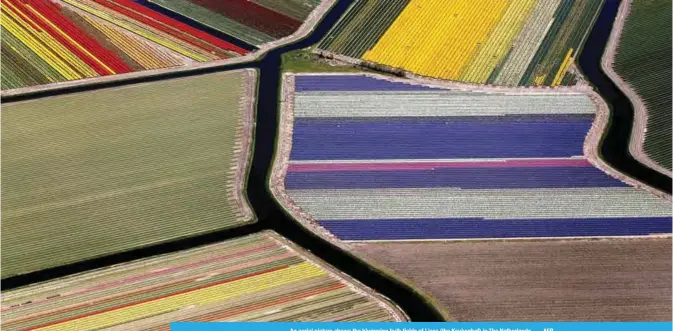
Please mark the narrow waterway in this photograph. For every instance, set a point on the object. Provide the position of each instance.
(271, 216)
(614, 149)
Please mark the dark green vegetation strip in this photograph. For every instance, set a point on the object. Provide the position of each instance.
(297, 9)
(569, 79)
(643, 59)
(100, 172)
(304, 60)
(216, 21)
(21, 66)
(573, 20)
(362, 26)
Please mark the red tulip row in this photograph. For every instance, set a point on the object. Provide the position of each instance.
(49, 19)
(253, 15)
(170, 26)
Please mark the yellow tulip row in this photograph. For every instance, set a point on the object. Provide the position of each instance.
(569, 58)
(459, 40)
(438, 38)
(71, 41)
(499, 43)
(140, 52)
(44, 45)
(146, 32)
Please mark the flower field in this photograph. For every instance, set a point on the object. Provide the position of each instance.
(504, 42)
(373, 159)
(123, 168)
(261, 277)
(49, 41)
(255, 22)
(643, 60)
(45, 42)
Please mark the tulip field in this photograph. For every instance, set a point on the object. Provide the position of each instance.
(50, 41)
(645, 64)
(254, 22)
(374, 159)
(261, 277)
(101, 172)
(504, 42)
(45, 41)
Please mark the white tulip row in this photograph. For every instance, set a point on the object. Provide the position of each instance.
(527, 43)
(443, 104)
(491, 204)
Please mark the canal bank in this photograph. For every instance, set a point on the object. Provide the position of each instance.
(614, 145)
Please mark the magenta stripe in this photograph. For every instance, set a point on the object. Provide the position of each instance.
(390, 166)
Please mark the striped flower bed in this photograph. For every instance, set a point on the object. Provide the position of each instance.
(55, 48)
(50, 41)
(261, 277)
(254, 22)
(514, 42)
(373, 159)
(46, 42)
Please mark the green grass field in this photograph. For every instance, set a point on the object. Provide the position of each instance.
(94, 173)
(304, 60)
(643, 59)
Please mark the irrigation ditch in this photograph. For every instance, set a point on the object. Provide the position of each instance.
(614, 147)
(271, 216)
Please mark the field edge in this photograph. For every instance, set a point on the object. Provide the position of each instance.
(640, 116)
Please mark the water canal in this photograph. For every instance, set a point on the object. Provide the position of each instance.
(614, 147)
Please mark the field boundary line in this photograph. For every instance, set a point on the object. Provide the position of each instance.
(640, 115)
(243, 147)
(281, 164)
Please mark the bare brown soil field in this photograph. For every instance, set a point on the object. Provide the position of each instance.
(597, 280)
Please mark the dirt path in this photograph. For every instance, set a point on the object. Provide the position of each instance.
(243, 145)
(592, 145)
(282, 161)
